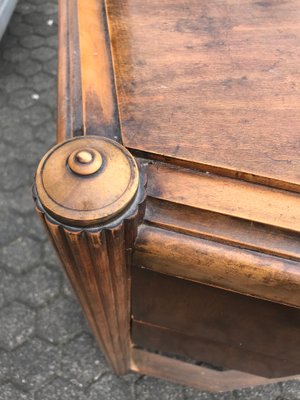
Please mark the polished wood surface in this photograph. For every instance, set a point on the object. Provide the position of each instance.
(204, 97)
(213, 84)
(243, 271)
(226, 329)
(85, 194)
(86, 89)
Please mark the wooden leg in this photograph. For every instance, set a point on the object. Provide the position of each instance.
(96, 257)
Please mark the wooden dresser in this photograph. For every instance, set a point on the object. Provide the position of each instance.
(173, 194)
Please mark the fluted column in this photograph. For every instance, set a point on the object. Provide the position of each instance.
(90, 196)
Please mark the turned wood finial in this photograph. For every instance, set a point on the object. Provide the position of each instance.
(87, 180)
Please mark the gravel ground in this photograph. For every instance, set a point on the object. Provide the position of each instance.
(46, 349)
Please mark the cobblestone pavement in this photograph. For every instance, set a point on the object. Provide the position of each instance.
(46, 349)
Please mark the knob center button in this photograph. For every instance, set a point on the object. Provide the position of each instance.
(85, 161)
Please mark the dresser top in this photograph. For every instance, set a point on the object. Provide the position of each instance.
(211, 85)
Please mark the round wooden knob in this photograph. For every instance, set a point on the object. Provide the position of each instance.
(87, 180)
(85, 161)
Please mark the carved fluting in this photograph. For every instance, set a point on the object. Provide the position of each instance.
(97, 262)
(90, 196)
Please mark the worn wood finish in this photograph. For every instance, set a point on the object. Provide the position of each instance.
(232, 197)
(86, 88)
(243, 271)
(97, 262)
(181, 372)
(211, 84)
(206, 94)
(222, 228)
(93, 225)
(213, 325)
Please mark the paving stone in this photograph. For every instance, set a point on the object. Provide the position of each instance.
(16, 325)
(34, 226)
(37, 115)
(34, 153)
(50, 257)
(3, 98)
(21, 255)
(15, 54)
(67, 289)
(18, 134)
(148, 388)
(34, 364)
(60, 321)
(25, 7)
(28, 68)
(48, 97)
(59, 389)
(32, 41)
(290, 390)
(9, 117)
(42, 81)
(21, 200)
(43, 53)
(9, 392)
(82, 362)
(10, 83)
(49, 8)
(8, 287)
(19, 29)
(110, 387)
(267, 392)
(12, 226)
(21, 98)
(51, 41)
(13, 175)
(4, 366)
(194, 394)
(39, 286)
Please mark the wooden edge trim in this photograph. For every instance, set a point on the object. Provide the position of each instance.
(87, 102)
(231, 197)
(239, 270)
(144, 362)
(222, 228)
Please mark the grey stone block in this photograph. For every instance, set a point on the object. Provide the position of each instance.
(59, 389)
(110, 387)
(21, 255)
(9, 392)
(34, 364)
(39, 286)
(16, 325)
(148, 388)
(267, 392)
(60, 321)
(290, 390)
(82, 362)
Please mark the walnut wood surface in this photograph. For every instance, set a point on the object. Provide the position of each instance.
(243, 271)
(86, 91)
(203, 90)
(193, 375)
(213, 325)
(97, 262)
(214, 84)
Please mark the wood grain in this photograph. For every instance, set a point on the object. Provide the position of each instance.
(222, 328)
(86, 88)
(222, 228)
(181, 372)
(97, 262)
(213, 85)
(226, 196)
(243, 271)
